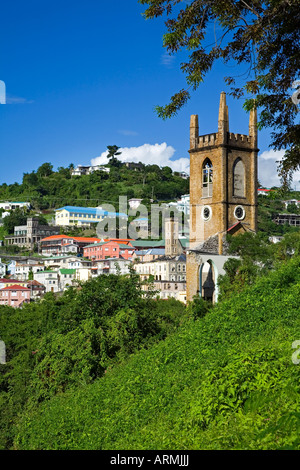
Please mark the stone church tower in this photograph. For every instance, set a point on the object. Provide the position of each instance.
(223, 194)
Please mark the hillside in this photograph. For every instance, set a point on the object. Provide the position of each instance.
(46, 188)
(225, 381)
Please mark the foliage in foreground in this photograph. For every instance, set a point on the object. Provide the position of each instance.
(224, 381)
(65, 343)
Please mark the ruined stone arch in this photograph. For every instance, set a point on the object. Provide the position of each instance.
(208, 277)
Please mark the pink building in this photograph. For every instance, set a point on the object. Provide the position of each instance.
(110, 249)
(14, 296)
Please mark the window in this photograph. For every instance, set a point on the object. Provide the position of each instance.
(238, 178)
(207, 178)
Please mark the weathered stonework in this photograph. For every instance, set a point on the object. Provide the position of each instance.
(223, 195)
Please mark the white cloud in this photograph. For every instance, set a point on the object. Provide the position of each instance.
(17, 100)
(267, 168)
(149, 154)
(127, 132)
(167, 59)
(163, 155)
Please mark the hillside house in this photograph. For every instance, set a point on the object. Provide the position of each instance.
(14, 295)
(83, 216)
(64, 244)
(30, 235)
(110, 249)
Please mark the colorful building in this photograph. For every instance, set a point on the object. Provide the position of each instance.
(108, 249)
(83, 216)
(63, 244)
(14, 295)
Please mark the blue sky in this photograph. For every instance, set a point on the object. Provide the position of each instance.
(84, 75)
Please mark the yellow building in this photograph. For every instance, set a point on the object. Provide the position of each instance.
(82, 216)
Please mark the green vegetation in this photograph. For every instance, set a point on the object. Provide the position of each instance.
(270, 206)
(48, 189)
(61, 344)
(103, 367)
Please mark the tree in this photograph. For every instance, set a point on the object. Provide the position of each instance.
(255, 258)
(16, 217)
(112, 155)
(264, 34)
(46, 169)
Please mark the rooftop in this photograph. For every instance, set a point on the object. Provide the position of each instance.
(16, 287)
(90, 210)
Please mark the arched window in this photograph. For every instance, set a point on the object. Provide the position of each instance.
(207, 178)
(238, 178)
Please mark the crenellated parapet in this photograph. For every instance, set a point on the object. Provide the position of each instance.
(223, 136)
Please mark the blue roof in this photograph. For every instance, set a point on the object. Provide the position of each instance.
(156, 251)
(90, 210)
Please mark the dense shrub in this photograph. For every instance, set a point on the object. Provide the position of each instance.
(224, 381)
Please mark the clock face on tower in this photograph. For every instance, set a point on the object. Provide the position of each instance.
(239, 212)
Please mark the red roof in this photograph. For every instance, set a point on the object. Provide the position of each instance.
(34, 283)
(232, 226)
(54, 237)
(87, 239)
(78, 239)
(123, 241)
(6, 281)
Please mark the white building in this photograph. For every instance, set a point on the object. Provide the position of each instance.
(163, 269)
(67, 262)
(169, 290)
(83, 274)
(66, 277)
(11, 268)
(134, 203)
(9, 206)
(22, 271)
(113, 266)
(2, 269)
(87, 170)
(291, 201)
(49, 278)
(182, 205)
(55, 280)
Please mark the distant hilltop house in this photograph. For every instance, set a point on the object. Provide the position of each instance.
(289, 219)
(9, 206)
(30, 234)
(134, 166)
(291, 201)
(87, 170)
(134, 203)
(83, 216)
(264, 191)
(182, 174)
